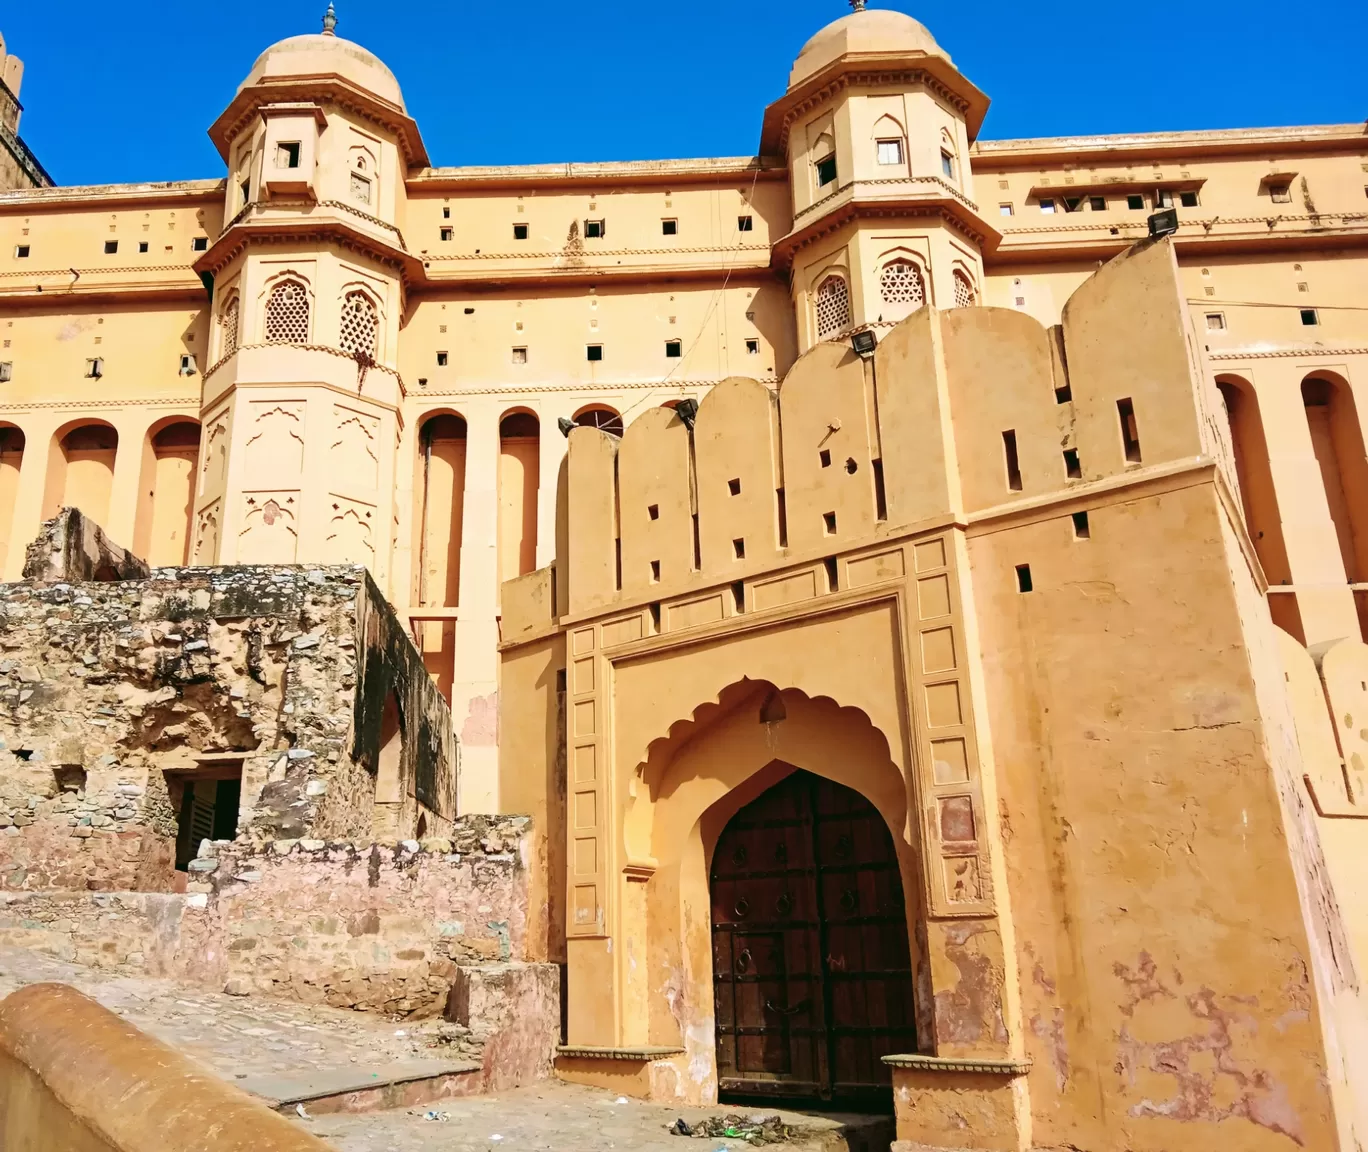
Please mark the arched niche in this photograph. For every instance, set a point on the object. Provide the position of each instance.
(1337, 440)
(387, 822)
(11, 463)
(81, 469)
(166, 492)
(519, 483)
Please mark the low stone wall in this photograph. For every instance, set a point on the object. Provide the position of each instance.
(379, 927)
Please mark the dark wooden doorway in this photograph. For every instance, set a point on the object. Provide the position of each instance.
(811, 966)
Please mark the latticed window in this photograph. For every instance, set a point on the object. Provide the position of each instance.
(360, 323)
(287, 313)
(228, 327)
(964, 291)
(900, 282)
(833, 306)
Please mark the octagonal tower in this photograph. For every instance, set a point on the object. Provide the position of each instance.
(301, 402)
(876, 126)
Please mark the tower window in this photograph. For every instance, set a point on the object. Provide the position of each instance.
(142, 245)
(1309, 317)
(826, 171)
(6, 372)
(360, 188)
(890, 151)
(441, 359)
(287, 154)
(21, 252)
(245, 190)
(752, 347)
(446, 213)
(669, 227)
(1215, 322)
(1047, 206)
(595, 229)
(947, 165)
(746, 224)
(1097, 203)
(447, 233)
(1004, 209)
(200, 244)
(1280, 193)
(187, 365)
(1187, 199)
(1163, 199)
(519, 355)
(287, 313)
(674, 349)
(1135, 203)
(593, 352)
(1073, 203)
(519, 231)
(111, 247)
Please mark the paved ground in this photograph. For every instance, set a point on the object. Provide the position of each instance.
(249, 1037)
(556, 1117)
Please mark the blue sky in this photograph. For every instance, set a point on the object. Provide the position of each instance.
(120, 91)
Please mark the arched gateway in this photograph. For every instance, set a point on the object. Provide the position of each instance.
(811, 965)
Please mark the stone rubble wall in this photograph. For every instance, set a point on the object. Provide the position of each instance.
(110, 692)
(374, 927)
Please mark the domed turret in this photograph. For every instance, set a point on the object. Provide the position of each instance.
(325, 54)
(878, 30)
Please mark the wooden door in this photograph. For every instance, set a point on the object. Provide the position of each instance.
(810, 955)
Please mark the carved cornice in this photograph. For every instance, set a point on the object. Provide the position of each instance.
(259, 208)
(941, 187)
(903, 77)
(951, 1064)
(328, 348)
(330, 90)
(1302, 353)
(971, 227)
(307, 230)
(591, 254)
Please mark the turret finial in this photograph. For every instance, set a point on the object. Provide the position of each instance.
(858, 5)
(330, 19)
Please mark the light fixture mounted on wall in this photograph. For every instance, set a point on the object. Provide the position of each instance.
(1163, 223)
(864, 342)
(687, 410)
(566, 425)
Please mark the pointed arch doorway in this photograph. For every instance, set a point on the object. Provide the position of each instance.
(812, 970)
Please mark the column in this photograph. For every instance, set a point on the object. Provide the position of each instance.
(128, 464)
(474, 690)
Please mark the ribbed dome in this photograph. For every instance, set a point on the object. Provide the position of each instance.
(872, 30)
(319, 54)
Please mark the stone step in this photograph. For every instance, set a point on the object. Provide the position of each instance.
(406, 1084)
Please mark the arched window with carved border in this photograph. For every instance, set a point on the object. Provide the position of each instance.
(230, 319)
(832, 306)
(360, 326)
(901, 282)
(287, 313)
(965, 296)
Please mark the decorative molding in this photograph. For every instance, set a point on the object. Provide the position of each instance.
(953, 192)
(66, 272)
(595, 389)
(1347, 219)
(265, 205)
(432, 258)
(950, 1064)
(644, 1054)
(904, 76)
(371, 367)
(1288, 353)
(190, 402)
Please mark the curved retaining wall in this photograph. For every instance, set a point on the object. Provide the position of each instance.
(74, 1077)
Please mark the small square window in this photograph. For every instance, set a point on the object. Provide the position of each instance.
(519, 355)
(519, 231)
(1215, 321)
(1187, 199)
(1004, 209)
(752, 347)
(94, 369)
(187, 365)
(6, 372)
(1097, 203)
(674, 349)
(447, 233)
(446, 213)
(21, 252)
(441, 359)
(1047, 207)
(1163, 199)
(111, 246)
(200, 244)
(1135, 203)
(746, 224)
(1073, 203)
(669, 227)
(947, 165)
(1309, 317)
(287, 155)
(595, 229)
(826, 171)
(1280, 193)
(890, 152)
(142, 245)
(593, 352)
